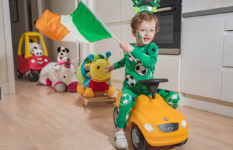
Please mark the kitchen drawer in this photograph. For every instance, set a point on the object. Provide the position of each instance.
(229, 21)
(228, 49)
(227, 85)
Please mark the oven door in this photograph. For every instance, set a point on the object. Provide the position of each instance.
(169, 36)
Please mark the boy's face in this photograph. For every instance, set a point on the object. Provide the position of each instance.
(145, 33)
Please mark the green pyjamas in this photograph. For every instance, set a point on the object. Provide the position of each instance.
(142, 69)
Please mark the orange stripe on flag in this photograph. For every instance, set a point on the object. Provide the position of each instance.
(50, 25)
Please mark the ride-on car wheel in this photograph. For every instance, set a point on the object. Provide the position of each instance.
(180, 144)
(115, 115)
(33, 76)
(138, 140)
(19, 74)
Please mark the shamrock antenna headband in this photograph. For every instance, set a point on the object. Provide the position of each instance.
(146, 5)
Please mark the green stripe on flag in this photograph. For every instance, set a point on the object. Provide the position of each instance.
(89, 25)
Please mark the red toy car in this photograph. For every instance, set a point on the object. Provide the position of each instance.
(34, 58)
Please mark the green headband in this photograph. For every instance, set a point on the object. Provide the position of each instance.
(150, 6)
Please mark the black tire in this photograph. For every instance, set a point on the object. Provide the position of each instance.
(115, 115)
(33, 76)
(180, 144)
(137, 138)
(19, 74)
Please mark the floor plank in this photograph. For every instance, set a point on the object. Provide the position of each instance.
(38, 118)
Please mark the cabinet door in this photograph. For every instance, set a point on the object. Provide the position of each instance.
(202, 50)
(229, 22)
(108, 10)
(168, 66)
(228, 50)
(127, 10)
(227, 85)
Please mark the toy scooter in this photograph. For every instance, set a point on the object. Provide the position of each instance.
(152, 121)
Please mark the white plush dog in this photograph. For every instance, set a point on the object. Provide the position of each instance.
(35, 49)
(62, 54)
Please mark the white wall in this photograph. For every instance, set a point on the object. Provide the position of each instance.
(7, 80)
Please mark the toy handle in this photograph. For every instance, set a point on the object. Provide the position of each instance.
(152, 84)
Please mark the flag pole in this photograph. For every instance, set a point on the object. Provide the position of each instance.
(128, 52)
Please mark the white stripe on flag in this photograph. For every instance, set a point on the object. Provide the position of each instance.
(74, 34)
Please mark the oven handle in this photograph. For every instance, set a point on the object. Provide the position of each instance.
(165, 9)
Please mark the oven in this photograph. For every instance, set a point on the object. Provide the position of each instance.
(169, 36)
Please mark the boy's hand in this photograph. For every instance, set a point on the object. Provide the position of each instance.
(126, 47)
(109, 68)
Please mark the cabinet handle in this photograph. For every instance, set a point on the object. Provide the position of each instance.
(165, 9)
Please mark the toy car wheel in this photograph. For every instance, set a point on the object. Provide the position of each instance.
(19, 74)
(180, 144)
(115, 115)
(33, 76)
(137, 138)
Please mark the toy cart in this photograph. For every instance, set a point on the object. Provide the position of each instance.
(99, 97)
(28, 63)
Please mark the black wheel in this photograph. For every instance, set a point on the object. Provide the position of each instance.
(33, 76)
(180, 144)
(137, 138)
(115, 115)
(19, 74)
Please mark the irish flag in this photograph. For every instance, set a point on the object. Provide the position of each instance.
(82, 26)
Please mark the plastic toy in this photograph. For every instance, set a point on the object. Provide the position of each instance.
(152, 121)
(32, 60)
(61, 76)
(95, 84)
(63, 54)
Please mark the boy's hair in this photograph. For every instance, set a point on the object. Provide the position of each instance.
(144, 16)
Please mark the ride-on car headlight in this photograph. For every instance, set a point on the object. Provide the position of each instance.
(33, 61)
(168, 127)
(148, 127)
(46, 60)
(183, 123)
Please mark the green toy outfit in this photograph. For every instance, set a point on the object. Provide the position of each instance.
(141, 69)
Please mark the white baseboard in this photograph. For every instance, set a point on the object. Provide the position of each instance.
(210, 105)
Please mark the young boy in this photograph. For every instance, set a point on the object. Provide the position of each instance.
(144, 27)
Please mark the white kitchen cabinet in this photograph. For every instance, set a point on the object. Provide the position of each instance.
(228, 50)
(127, 10)
(168, 66)
(198, 5)
(227, 85)
(202, 51)
(126, 34)
(108, 10)
(229, 21)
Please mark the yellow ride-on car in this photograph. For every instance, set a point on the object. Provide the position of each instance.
(33, 58)
(152, 121)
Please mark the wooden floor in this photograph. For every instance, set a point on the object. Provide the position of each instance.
(37, 118)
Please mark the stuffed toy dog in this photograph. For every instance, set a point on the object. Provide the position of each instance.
(63, 54)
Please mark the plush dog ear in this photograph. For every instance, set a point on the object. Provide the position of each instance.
(58, 49)
(67, 50)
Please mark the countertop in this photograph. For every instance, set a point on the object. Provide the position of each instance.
(208, 12)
